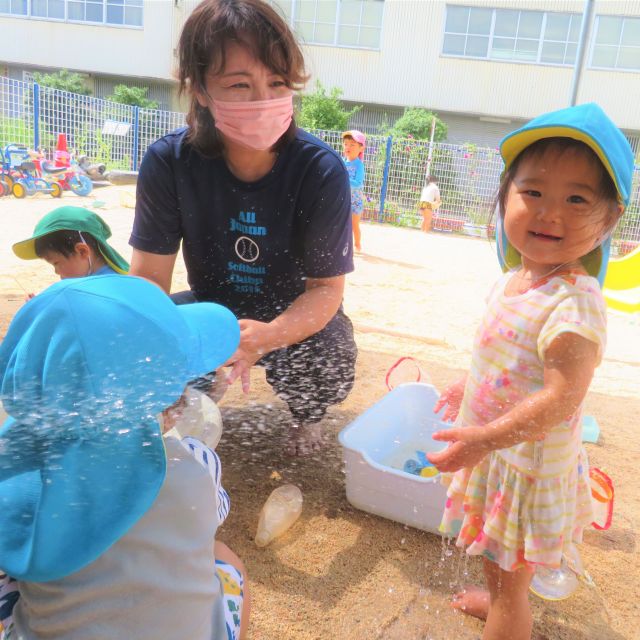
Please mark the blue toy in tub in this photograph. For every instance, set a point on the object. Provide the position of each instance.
(420, 466)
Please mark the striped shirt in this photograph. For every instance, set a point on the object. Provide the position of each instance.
(508, 362)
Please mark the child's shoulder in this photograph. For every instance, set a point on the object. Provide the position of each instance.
(574, 283)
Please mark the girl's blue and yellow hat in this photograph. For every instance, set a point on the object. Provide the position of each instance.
(589, 124)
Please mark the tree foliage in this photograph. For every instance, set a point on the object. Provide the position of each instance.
(134, 96)
(64, 80)
(416, 123)
(324, 110)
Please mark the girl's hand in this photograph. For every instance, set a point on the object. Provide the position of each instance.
(466, 449)
(256, 340)
(240, 368)
(451, 397)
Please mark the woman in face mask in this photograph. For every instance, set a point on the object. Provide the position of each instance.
(261, 207)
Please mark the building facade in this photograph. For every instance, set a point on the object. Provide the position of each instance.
(484, 66)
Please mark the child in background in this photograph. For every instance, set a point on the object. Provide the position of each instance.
(520, 493)
(73, 240)
(353, 144)
(109, 532)
(429, 202)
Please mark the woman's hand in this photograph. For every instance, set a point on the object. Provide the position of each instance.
(467, 448)
(451, 397)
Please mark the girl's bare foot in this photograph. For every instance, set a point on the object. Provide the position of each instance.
(473, 601)
(304, 439)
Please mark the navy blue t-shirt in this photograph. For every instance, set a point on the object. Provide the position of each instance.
(248, 246)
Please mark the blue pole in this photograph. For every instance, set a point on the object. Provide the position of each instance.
(136, 136)
(36, 115)
(385, 179)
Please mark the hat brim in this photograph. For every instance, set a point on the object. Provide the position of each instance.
(26, 249)
(217, 335)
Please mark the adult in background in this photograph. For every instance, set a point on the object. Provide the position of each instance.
(261, 207)
(429, 202)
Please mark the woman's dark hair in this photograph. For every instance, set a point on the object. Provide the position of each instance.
(201, 49)
(64, 242)
(606, 188)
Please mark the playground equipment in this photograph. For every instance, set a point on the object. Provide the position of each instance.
(20, 173)
(622, 284)
(65, 169)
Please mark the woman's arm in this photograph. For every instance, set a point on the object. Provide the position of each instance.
(154, 267)
(309, 313)
(569, 364)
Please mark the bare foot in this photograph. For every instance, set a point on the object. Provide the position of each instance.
(473, 601)
(304, 439)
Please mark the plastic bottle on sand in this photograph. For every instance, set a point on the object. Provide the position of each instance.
(280, 511)
(199, 418)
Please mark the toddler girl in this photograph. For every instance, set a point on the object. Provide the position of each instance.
(353, 143)
(520, 495)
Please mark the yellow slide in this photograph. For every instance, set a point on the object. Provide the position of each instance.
(622, 283)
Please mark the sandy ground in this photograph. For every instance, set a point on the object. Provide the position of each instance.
(339, 572)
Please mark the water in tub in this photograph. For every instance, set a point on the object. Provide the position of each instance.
(415, 451)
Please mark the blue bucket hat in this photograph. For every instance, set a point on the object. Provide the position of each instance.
(587, 123)
(84, 368)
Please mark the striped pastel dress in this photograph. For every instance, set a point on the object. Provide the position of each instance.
(527, 504)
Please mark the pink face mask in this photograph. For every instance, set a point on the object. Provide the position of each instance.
(258, 124)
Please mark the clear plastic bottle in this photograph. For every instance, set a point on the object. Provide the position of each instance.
(199, 418)
(282, 508)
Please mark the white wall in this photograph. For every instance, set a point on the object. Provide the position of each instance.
(409, 70)
(143, 52)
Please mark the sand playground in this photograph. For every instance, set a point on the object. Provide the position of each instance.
(340, 573)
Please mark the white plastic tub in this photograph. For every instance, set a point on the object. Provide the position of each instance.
(388, 429)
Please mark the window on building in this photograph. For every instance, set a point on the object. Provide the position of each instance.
(345, 23)
(616, 44)
(561, 35)
(514, 35)
(14, 7)
(117, 12)
(48, 9)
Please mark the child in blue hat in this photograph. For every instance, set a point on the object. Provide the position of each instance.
(108, 530)
(520, 494)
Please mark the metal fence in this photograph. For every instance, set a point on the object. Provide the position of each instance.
(118, 135)
(115, 134)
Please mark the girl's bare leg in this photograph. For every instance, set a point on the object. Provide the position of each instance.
(355, 223)
(222, 552)
(509, 616)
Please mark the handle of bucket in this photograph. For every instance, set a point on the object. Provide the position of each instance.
(394, 366)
